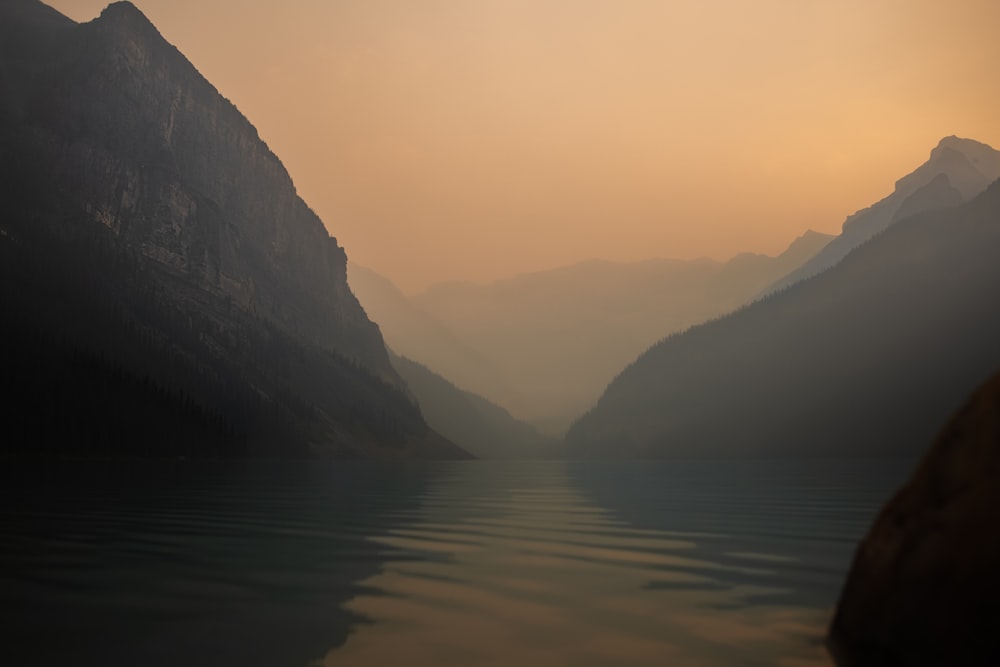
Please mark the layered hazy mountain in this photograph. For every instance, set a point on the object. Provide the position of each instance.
(544, 345)
(159, 268)
(477, 425)
(957, 170)
(414, 334)
(867, 358)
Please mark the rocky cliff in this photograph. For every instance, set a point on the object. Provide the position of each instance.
(112, 145)
(924, 586)
(129, 129)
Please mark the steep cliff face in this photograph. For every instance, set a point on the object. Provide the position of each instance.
(924, 586)
(131, 131)
(156, 258)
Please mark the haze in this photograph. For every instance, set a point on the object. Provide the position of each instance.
(451, 139)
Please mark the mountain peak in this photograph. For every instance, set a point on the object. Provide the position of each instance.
(113, 142)
(974, 150)
(970, 165)
(957, 142)
(124, 8)
(18, 18)
(807, 245)
(812, 234)
(126, 17)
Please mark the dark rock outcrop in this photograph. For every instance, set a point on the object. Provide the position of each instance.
(924, 588)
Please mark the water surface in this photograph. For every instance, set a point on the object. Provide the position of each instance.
(471, 563)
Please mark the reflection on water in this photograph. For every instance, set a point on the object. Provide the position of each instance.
(514, 565)
(189, 564)
(469, 563)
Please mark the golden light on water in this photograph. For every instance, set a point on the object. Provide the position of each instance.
(534, 573)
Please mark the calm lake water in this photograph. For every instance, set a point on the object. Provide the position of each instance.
(471, 563)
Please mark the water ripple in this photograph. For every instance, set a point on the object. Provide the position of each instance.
(452, 564)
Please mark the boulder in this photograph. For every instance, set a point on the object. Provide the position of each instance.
(924, 588)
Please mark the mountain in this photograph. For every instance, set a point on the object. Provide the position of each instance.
(559, 336)
(957, 170)
(478, 426)
(923, 586)
(415, 334)
(158, 261)
(863, 359)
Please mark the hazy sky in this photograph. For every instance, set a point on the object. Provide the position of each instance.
(476, 139)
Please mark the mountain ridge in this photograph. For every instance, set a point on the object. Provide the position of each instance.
(560, 335)
(864, 358)
(545, 343)
(114, 146)
(970, 167)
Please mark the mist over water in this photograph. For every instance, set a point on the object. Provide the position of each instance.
(436, 564)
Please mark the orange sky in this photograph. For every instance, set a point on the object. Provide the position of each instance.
(476, 139)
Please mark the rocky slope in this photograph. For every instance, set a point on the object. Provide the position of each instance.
(112, 140)
(923, 588)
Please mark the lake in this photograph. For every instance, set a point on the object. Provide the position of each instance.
(468, 563)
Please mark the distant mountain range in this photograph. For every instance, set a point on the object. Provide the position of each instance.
(165, 291)
(866, 358)
(957, 170)
(545, 344)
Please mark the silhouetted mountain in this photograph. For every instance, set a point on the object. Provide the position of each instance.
(958, 170)
(414, 334)
(865, 358)
(559, 336)
(923, 587)
(478, 426)
(150, 236)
